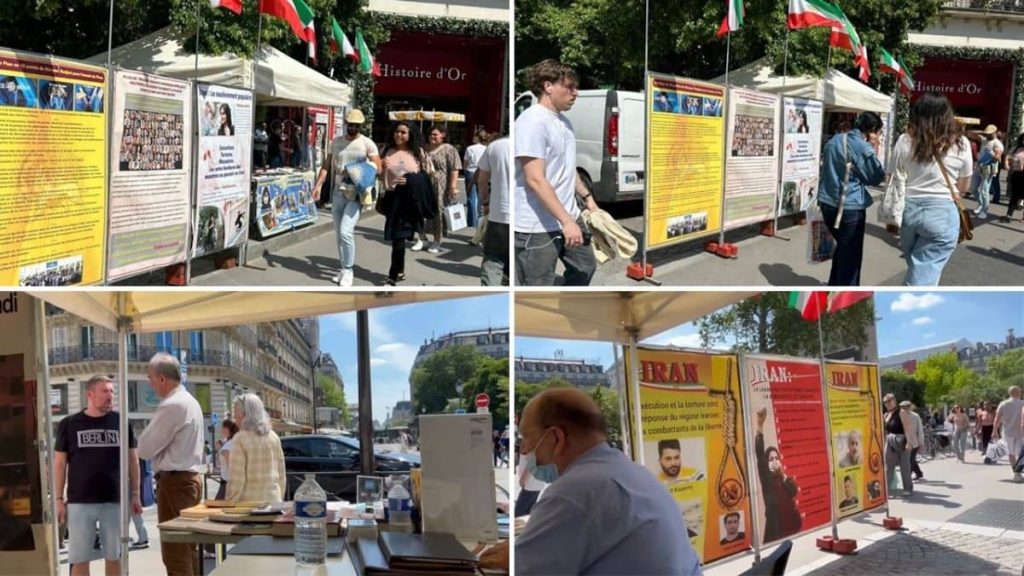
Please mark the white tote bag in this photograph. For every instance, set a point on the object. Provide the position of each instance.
(890, 209)
(455, 217)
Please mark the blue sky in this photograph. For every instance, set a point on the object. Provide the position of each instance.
(906, 321)
(396, 334)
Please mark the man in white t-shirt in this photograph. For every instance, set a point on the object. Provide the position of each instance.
(345, 205)
(989, 158)
(492, 178)
(470, 163)
(549, 226)
(1008, 416)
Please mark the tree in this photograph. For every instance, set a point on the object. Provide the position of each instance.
(491, 378)
(1006, 366)
(766, 324)
(334, 395)
(603, 39)
(526, 391)
(434, 381)
(903, 386)
(942, 374)
(608, 400)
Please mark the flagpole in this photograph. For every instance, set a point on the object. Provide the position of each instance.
(647, 135)
(785, 61)
(822, 308)
(782, 126)
(255, 57)
(196, 66)
(725, 140)
(195, 150)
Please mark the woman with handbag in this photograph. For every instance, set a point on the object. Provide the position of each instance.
(408, 198)
(445, 181)
(935, 158)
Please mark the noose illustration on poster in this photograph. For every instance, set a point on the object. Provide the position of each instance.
(732, 488)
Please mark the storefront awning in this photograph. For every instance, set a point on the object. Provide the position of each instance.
(426, 116)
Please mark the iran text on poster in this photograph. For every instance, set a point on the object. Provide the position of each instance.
(790, 460)
(801, 153)
(685, 129)
(752, 157)
(284, 202)
(150, 170)
(694, 443)
(53, 201)
(20, 481)
(854, 408)
(224, 169)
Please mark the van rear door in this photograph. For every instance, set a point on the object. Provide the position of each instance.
(631, 145)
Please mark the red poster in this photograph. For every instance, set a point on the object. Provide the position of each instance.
(790, 457)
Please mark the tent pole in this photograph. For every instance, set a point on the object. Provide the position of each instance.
(620, 388)
(46, 439)
(123, 324)
(637, 421)
(365, 397)
(828, 422)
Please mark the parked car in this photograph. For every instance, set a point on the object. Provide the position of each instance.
(609, 127)
(336, 462)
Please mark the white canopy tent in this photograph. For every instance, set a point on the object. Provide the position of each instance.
(839, 92)
(136, 311)
(280, 80)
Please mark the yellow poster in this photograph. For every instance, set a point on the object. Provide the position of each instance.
(854, 408)
(685, 136)
(53, 202)
(693, 441)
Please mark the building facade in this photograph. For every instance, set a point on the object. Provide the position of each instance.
(492, 342)
(449, 56)
(971, 355)
(908, 359)
(976, 357)
(274, 360)
(579, 373)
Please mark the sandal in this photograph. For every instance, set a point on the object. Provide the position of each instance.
(389, 282)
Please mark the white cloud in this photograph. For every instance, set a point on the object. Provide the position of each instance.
(929, 335)
(396, 355)
(377, 361)
(685, 341)
(908, 302)
(922, 321)
(347, 322)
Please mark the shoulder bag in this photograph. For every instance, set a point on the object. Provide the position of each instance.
(890, 210)
(846, 184)
(966, 227)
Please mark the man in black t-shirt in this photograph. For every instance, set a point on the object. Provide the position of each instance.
(87, 451)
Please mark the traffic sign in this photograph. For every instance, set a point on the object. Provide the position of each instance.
(214, 419)
(483, 400)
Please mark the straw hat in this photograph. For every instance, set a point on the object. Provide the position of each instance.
(989, 130)
(355, 116)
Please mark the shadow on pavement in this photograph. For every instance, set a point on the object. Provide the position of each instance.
(322, 268)
(465, 270)
(930, 498)
(938, 484)
(880, 233)
(998, 254)
(907, 554)
(783, 275)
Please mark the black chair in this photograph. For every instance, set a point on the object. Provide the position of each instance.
(774, 564)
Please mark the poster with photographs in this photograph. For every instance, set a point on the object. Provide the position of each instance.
(801, 153)
(790, 460)
(685, 129)
(752, 157)
(53, 139)
(150, 173)
(694, 443)
(224, 170)
(20, 486)
(284, 202)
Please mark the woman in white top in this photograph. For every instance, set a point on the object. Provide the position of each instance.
(931, 223)
(470, 162)
(228, 429)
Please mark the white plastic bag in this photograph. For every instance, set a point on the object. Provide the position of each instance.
(820, 243)
(455, 217)
(996, 451)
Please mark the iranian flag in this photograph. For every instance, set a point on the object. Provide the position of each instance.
(296, 13)
(233, 5)
(366, 60)
(844, 36)
(733, 18)
(340, 43)
(839, 300)
(861, 59)
(892, 65)
(809, 13)
(812, 305)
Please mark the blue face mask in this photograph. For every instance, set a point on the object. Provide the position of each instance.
(546, 473)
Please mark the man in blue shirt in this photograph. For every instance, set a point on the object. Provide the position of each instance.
(601, 514)
(856, 147)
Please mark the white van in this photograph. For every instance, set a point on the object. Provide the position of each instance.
(609, 126)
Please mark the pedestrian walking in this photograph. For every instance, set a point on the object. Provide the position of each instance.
(408, 197)
(260, 145)
(470, 163)
(147, 499)
(911, 410)
(257, 472)
(492, 179)
(173, 440)
(987, 419)
(989, 158)
(936, 162)
(958, 418)
(900, 440)
(549, 223)
(496, 444)
(87, 462)
(445, 178)
(228, 429)
(1015, 180)
(1007, 425)
(996, 189)
(346, 207)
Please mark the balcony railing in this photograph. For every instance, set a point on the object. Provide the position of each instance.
(108, 352)
(1010, 6)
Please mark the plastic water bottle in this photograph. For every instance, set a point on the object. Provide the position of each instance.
(399, 506)
(310, 523)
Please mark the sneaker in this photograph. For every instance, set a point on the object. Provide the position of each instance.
(981, 215)
(435, 248)
(345, 278)
(417, 246)
(136, 545)
(1018, 478)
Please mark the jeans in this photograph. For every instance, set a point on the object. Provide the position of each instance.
(995, 189)
(960, 444)
(928, 236)
(472, 200)
(849, 254)
(897, 454)
(494, 270)
(537, 254)
(82, 520)
(140, 528)
(345, 214)
(983, 189)
(914, 466)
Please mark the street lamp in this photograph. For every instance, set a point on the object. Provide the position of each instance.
(458, 392)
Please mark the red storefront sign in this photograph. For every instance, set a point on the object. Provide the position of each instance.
(426, 71)
(976, 88)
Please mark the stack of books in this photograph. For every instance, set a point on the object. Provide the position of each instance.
(401, 554)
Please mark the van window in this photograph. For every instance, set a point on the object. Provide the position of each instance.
(524, 102)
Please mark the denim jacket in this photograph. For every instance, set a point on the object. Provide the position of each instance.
(866, 171)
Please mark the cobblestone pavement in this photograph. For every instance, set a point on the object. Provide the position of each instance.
(932, 552)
